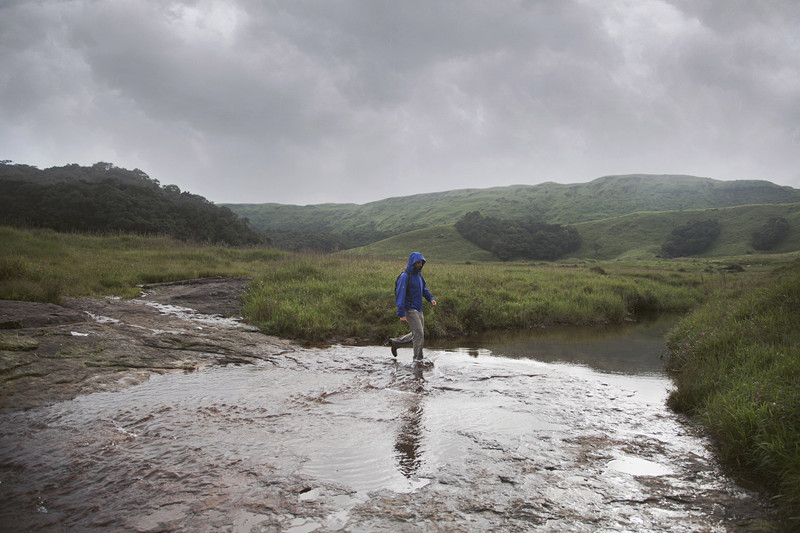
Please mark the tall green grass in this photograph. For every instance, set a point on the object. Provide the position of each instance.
(322, 297)
(736, 365)
(45, 266)
(316, 297)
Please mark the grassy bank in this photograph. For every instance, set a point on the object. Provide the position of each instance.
(736, 365)
(326, 297)
(45, 266)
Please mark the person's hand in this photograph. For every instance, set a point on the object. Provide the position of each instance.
(433, 303)
(403, 319)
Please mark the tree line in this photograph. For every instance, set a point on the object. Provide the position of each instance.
(518, 239)
(104, 198)
(529, 240)
(696, 237)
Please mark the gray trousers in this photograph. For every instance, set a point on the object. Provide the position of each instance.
(417, 322)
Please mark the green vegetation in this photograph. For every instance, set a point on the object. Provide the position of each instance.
(736, 364)
(770, 234)
(45, 266)
(106, 199)
(691, 238)
(518, 239)
(13, 342)
(615, 217)
(634, 236)
(307, 240)
(440, 243)
(319, 297)
(314, 297)
(550, 203)
(641, 235)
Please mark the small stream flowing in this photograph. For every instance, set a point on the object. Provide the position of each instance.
(562, 430)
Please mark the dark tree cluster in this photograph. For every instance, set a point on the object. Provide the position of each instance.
(518, 239)
(104, 198)
(692, 238)
(771, 234)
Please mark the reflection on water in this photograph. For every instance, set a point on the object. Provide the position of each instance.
(631, 348)
(408, 443)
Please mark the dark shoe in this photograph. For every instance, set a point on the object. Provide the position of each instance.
(394, 348)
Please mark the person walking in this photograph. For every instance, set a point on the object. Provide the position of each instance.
(409, 292)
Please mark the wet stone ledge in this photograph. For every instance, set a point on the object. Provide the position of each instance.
(51, 353)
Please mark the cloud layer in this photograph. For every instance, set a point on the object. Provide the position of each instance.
(353, 101)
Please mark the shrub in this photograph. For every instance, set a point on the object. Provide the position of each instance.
(691, 238)
(771, 234)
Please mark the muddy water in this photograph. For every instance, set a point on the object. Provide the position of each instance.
(541, 432)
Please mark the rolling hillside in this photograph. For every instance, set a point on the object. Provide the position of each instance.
(633, 236)
(616, 216)
(552, 203)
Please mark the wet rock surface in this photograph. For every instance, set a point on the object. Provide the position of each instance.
(50, 353)
(336, 439)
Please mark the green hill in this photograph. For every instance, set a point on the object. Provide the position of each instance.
(552, 203)
(640, 235)
(633, 236)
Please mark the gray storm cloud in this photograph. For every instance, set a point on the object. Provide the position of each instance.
(353, 101)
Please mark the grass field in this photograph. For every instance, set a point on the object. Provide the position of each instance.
(321, 297)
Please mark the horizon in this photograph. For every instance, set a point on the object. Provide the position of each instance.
(645, 175)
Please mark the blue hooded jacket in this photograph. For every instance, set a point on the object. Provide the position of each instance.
(411, 287)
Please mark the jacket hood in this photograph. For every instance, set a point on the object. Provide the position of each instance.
(413, 258)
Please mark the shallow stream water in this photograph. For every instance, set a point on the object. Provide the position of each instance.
(556, 430)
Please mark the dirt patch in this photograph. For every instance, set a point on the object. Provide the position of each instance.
(50, 353)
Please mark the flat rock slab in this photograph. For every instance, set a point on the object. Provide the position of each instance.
(50, 353)
(16, 315)
(220, 296)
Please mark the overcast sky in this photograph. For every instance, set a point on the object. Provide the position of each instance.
(303, 102)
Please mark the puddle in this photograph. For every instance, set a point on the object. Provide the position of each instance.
(349, 439)
(639, 467)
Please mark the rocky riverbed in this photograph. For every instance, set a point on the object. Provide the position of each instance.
(163, 413)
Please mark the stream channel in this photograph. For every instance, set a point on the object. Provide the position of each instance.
(548, 430)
